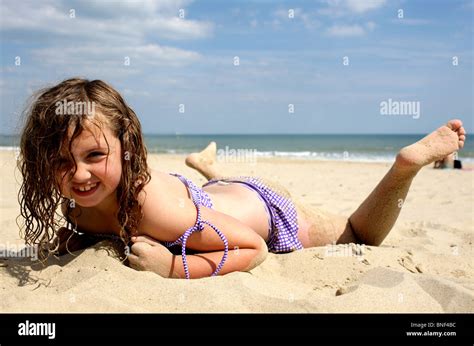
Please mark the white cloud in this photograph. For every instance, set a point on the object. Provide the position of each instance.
(411, 21)
(175, 28)
(100, 35)
(133, 92)
(370, 25)
(339, 8)
(142, 55)
(309, 22)
(361, 6)
(284, 13)
(298, 14)
(96, 20)
(345, 31)
(119, 8)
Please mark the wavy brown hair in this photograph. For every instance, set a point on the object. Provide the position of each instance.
(45, 136)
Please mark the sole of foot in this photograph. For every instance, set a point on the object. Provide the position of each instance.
(205, 157)
(437, 145)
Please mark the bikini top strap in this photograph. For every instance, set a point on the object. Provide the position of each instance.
(185, 182)
(198, 227)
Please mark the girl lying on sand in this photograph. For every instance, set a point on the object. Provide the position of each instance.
(94, 166)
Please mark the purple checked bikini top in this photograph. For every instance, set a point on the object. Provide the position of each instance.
(200, 198)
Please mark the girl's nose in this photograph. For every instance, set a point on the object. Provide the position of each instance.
(82, 173)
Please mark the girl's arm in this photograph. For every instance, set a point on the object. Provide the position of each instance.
(203, 264)
(168, 222)
(148, 254)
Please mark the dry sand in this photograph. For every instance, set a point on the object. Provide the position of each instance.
(424, 265)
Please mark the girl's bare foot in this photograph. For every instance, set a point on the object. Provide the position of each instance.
(435, 146)
(203, 161)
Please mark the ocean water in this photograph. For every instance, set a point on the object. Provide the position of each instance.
(362, 148)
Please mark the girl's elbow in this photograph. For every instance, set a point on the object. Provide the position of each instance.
(260, 256)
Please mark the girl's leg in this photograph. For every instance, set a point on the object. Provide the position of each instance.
(375, 217)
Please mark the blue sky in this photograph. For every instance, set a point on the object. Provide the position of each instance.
(289, 53)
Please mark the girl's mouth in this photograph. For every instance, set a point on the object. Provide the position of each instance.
(86, 190)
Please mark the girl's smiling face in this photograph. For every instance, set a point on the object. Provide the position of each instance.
(97, 153)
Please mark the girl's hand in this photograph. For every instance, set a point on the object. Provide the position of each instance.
(149, 255)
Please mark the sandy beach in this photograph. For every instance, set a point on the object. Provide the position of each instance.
(424, 265)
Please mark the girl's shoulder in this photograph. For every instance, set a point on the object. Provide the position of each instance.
(163, 188)
(164, 199)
